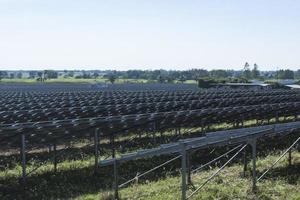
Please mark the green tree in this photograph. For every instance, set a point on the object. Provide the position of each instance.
(40, 76)
(247, 72)
(255, 72)
(19, 75)
(160, 78)
(218, 73)
(182, 79)
(112, 78)
(95, 75)
(50, 74)
(285, 74)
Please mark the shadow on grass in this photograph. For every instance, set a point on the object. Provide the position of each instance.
(73, 182)
(291, 174)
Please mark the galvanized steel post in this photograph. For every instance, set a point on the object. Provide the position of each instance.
(96, 142)
(55, 158)
(183, 172)
(116, 186)
(254, 178)
(23, 157)
(245, 160)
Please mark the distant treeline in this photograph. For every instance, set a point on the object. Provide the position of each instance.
(167, 76)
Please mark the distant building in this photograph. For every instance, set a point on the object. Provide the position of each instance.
(293, 87)
(243, 86)
(287, 81)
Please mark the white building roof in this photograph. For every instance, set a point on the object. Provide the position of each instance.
(247, 84)
(294, 86)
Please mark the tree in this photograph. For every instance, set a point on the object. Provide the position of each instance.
(255, 72)
(297, 74)
(160, 79)
(50, 74)
(112, 78)
(95, 75)
(247, 72)
(219, 73)
(19, 75)
(40, 77)
(182, 79)
(285, 74)
(32, 74)
(170, 79)
(71, 74)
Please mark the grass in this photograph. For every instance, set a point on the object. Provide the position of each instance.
(282, 183)
(84, 81)
(76, 179)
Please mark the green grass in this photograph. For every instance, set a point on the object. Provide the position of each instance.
(282, 183)
(76, 179)
(74, 80)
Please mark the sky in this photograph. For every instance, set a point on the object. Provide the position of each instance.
(149, 34)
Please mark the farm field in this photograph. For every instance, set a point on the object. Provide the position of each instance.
(81, 80)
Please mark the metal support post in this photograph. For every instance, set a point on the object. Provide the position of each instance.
(154, 138)
(290, 157)
(96, 142)
(183, 172)
(55, 158)
(254, 178)
(245, 162)
(23, 157)
(188, 161)
(116, 187)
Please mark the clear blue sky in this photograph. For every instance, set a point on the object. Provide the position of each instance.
(149, 34)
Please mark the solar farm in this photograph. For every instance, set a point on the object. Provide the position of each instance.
(117, 137)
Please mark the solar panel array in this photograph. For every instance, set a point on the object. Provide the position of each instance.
(48, 114)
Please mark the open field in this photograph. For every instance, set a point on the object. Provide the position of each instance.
(81, 80)
(71, 80)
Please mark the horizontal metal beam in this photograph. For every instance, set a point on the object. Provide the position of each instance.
(219, 138)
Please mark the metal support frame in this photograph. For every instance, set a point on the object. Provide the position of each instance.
(290, 153)
(290, 157)
(116, 186)
(55, 158)
(277, 117)
(216, 173)
(188, 163)
(284, 153)
(149, 171)
(216, 159)
(183, 172)
(96, 143)
(154, 137)
(23, 158)
(254, 178)
(245, 160)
